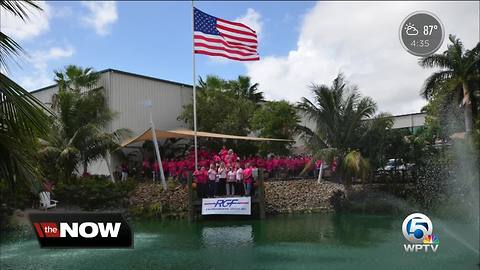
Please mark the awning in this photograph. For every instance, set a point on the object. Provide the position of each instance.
(185, 133)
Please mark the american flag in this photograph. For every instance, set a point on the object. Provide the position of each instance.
(218, 37)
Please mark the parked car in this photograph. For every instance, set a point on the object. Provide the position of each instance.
(394, 164)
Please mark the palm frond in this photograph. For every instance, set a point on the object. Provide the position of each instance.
(20, 9)
(434, 81)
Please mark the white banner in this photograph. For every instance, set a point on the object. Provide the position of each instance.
(227, 206)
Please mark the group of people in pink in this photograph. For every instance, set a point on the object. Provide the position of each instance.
(223, 180)
(180, 168)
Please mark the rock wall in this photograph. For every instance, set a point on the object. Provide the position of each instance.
(299, 196)
(149, 200)
(292, 196)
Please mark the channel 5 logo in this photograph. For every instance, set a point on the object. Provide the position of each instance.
(417, 228)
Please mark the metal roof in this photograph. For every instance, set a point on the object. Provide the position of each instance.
(125, 73)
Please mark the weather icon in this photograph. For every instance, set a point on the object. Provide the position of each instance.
(410, 29)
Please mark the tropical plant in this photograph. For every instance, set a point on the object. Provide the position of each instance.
(244, 88)
(79, 136)
(22, 116)
(460, 69)
(276, 119)
(344, 122)
(221, 110)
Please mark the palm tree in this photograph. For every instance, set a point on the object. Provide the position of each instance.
(459, 68)
(243, 87)
(79, 136)
(344, 122)
(22, 116)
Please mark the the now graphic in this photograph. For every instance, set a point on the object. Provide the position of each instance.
(77, 230)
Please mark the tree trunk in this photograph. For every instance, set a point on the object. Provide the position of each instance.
(467, 110)
(85, 168)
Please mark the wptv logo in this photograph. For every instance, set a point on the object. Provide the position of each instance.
(94, 230)
(417, 228)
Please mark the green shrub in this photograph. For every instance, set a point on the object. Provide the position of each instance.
(95, 192)
(16, 196)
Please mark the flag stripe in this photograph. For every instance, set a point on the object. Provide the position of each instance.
(227, 55)
(218, 39)
(216, 47)
(235, 24)
(236, 31)
(245, 41)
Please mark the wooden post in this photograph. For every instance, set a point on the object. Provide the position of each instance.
(191, 210)
(261, 194)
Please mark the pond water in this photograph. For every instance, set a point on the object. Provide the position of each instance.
(316, 241)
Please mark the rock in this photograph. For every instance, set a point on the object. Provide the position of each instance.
(305, 196)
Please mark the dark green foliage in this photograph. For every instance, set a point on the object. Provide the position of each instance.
(345, 123)
(78, 136)
(457, 79)
(224, 107)
(276, 119)
(95, 192)
(13, 196)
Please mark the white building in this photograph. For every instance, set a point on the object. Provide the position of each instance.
(126, 94)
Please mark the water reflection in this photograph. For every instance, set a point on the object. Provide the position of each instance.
(227, 237)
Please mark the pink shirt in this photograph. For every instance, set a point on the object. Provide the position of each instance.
(247, 175)
(201, 176)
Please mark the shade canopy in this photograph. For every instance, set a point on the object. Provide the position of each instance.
(147, 135)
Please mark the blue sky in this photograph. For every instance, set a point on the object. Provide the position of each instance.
(300, 43)
(154, 38)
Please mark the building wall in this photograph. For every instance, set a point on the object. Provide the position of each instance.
(409, 120)
(126, 95)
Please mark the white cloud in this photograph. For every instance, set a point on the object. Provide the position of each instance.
(35, 25)
(361, 40)
(101, 15)
(40, 61)
(252, 19)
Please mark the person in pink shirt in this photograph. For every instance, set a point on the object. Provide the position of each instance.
(231, 179)
(269, 166)
(147, 170)
(290, 164)
(239, 188)
(275, 167)
(172, 169)
(212, 177)
(201, 178)
(190, 164)
(261, 163)
(248, 179)
(334, 164)
(223, 152)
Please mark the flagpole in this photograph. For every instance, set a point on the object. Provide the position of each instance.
(194, 88)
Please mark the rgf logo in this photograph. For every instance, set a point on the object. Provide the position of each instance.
(225, 203)
(85, 230)
(56, 230)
